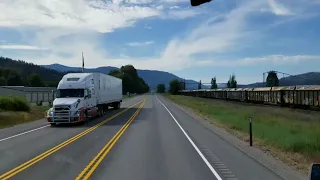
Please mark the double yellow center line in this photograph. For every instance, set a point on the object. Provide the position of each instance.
(33, 161)
(92, 166)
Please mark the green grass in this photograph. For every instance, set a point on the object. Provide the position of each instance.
(11, 118)
(281, 128)
(128, 96)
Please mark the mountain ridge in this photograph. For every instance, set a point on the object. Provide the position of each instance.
(154, 77)
(151, 77)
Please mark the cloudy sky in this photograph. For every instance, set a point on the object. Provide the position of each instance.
(245, 37)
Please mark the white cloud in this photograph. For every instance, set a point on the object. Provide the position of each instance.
(181, 13)
(278, 8)
(21, 47)
(140, 43)
(138, 1)
(59, 20)
(176, 1)
(219, 34)
(174, 7)
(147, 27)
(159, 7)
(252, 61)
(278, 60)
(72, 14)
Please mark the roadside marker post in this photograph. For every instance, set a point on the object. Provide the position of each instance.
(250, 129)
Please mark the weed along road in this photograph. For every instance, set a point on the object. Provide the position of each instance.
(147, 138)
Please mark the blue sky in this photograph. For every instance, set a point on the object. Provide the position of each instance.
(219, 38)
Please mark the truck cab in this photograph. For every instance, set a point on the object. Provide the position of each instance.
(75, 97)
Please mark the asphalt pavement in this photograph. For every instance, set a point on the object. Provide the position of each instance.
(152, 140)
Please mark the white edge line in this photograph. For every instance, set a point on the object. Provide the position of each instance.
(193, 144)
(24, 133)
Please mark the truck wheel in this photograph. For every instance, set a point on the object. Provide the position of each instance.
(99, 111)
(116, 105)
(84, 120)
(53, 124)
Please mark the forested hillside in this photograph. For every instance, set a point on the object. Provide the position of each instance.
(20, 73)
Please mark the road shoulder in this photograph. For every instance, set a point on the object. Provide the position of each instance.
(255, 153)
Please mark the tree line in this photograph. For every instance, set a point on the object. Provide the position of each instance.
(14, 77)
(175, 85)
(131, 82)
(271, 81)
(232, 83)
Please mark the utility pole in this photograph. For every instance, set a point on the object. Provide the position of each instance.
(82, 63)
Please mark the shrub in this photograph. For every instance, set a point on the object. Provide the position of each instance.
(14, 104)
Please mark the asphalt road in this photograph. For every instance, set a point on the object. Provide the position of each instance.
(152, 140)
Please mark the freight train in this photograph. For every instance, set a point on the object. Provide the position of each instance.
(300, 96)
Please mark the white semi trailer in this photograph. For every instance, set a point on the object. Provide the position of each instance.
(81, 96)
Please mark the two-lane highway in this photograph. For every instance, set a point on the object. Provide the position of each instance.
(148, 138)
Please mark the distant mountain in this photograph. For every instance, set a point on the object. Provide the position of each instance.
(222, 85)
(310, 78)
(152, 78)
(62, 68)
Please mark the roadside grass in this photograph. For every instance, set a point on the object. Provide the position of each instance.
(11, 118)
(290, 135)
(14, 104)
(126, 96)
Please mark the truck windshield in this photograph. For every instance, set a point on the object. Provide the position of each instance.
(64, 93)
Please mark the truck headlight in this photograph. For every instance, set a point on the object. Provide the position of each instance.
(77, 113)
(50, 112)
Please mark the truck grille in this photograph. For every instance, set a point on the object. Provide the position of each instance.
(62, 114)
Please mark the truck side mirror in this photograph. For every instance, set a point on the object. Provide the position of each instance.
(315, 171)
(198, 2)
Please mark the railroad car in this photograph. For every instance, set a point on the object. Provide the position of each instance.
(300, 96)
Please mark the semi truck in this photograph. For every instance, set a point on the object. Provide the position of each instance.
(81, 96)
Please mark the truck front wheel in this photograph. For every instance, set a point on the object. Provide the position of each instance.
(100, 111)
(116, 105)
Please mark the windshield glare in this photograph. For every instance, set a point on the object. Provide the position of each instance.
(65, 93)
